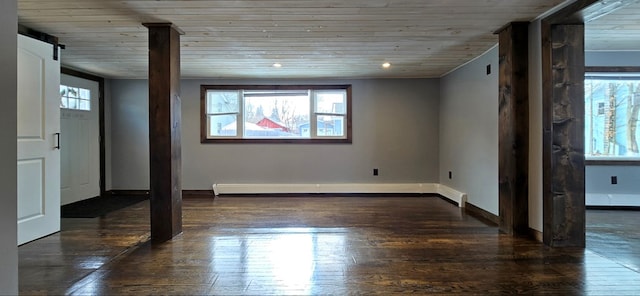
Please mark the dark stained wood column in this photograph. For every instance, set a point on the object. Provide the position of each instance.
(563, 135)
(563, 120)
(513, 129)
(164, 131)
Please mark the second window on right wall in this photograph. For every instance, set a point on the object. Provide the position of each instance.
(612, 107)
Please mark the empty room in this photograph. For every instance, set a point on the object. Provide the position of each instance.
(299, 147)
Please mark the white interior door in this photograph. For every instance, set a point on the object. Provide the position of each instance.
(38, 157)
(79, 149)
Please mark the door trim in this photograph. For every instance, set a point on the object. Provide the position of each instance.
(101, 129)
(44, 37)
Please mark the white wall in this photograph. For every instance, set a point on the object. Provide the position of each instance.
(8, 152)
(469, 131)
(395, 129)
(535, 126)
(598, 187)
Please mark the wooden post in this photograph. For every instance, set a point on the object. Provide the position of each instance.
(514, 128)
(563, 135)
(164, 131)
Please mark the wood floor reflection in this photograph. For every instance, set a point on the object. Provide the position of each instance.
(313, 245)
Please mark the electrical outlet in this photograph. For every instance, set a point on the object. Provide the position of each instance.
(375, 172)
(614, 180)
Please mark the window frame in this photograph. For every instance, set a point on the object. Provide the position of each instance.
(613, 161)
(347, 139)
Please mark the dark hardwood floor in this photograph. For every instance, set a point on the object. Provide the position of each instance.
(322, 245)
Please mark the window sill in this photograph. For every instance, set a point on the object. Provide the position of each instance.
(275, 141)
(612, 162)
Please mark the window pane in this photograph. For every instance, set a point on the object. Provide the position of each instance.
(223, 125)
(73, 103)
(252, 130)
(84, 105)
(85, 94)
(277, 116)
(330, 126)
(222, 101)
(63, 96)
(611, 117)
(72, 92)
(331, 102)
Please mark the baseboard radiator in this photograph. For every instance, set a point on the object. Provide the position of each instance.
(457, 197)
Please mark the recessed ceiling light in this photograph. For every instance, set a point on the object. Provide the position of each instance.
(277, 65)
(386, 65)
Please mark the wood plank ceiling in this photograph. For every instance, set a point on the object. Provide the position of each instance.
(310, 38)
(618, 30)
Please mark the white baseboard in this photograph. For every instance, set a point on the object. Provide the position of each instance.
(604, 199)
(458, 197)
(452, 194)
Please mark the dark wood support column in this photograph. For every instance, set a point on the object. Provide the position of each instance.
(514, 128)
(563, 135)
(164, 131)
(563, 120)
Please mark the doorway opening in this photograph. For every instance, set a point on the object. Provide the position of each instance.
(82, 170)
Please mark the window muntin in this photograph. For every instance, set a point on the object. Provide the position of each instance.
(612, 129)
(277, 113)
(75, 98)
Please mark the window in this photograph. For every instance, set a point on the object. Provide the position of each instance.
(276, 113)
(612, 104)
(75, 98)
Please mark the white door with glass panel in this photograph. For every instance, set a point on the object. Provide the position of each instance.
(38, 140)
(79, 143)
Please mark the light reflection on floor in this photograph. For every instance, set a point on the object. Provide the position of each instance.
(606, 277)
(291, 258)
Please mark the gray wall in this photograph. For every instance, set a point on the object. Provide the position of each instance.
(107, 134)
(395, 129)
(469, 131)
(8, 152)
(598, 178)
(612, 58)
(535, 126)
(129, 123)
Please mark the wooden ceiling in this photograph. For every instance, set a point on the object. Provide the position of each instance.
(616, 31)
(310, 38)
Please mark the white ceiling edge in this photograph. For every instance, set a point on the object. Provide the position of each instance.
(554, 10)
(469, 61)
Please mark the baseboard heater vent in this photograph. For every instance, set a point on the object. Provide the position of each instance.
(458, 197)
